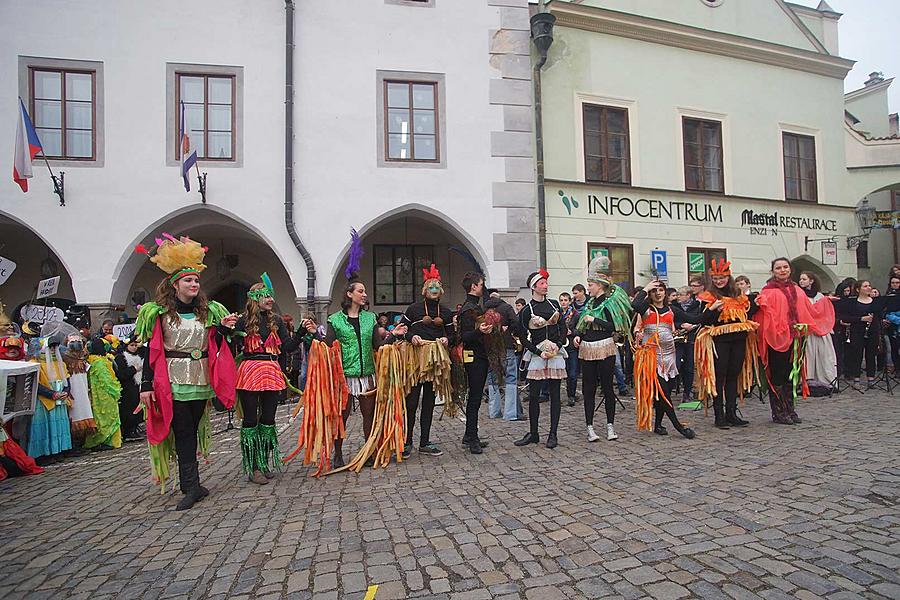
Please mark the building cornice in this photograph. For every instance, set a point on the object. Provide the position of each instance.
(600, 20)
(869, 89)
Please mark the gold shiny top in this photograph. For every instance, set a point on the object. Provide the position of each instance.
(188, 334)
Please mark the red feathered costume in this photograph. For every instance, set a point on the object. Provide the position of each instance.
(10, 450)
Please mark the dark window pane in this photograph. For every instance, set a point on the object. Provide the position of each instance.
(692, 178)
(593, 169)
(691, 132)
(711, 182)
(47, 85)
(710, 134)
(384, 274)
(79, 86)
(807, 147)
(712, 158)
(592, 145)
(404, 294)
(807, 189)
(808, 169)
(616, 168)
(790, 145)
(618, 146)
(793, 189)
(692, 155)
(591, 119)
(398, 95)
(615, 121)
(384, 294)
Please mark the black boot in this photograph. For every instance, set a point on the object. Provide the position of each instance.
(732, 419)
(780, 408)
(530, 438)
(687, 432)
(551, 441)
(189, 475)
(721, 422)
(793, 412)
(465, 442)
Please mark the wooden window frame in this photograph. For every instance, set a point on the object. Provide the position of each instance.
(62, 103)
(412, 136)
(721, 167)
(706, 258)
(206, 77)
(798, 172)
(604, 131)
(609, 246)
(375, 282)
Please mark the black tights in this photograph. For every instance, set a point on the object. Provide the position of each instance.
(603, 371)
(477, 372)
(781, 391)
(731, 350)
(185, 423)
(412, 403)
(861, 346)
(258, 407)
(661, 407)
(534, 405)
(367, 408)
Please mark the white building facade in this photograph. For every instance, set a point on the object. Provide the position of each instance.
(411, 123)
(702, 129)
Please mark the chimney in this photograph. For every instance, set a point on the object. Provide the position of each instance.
(874, 77)
(894, 124)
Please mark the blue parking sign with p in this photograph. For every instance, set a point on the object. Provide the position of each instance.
(658, 261)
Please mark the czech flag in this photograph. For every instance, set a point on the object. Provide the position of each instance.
(27, 146)
(188, 158)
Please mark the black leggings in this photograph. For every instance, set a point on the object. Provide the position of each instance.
(860, 346)
(534, 404)
(592, 372)
(476, 371)
(731, 350)
(661, 407)
(259, 407)
(412, 403)
(185, 423)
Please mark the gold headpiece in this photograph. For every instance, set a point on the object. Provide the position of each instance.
(177, 257)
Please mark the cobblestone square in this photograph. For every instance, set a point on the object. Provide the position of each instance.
(769, 511)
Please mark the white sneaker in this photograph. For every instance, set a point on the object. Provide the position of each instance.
(610, 433)
(592, 435)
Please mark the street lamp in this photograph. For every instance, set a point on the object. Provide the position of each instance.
(865, 218)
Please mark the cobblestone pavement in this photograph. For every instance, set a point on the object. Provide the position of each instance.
(769, 511)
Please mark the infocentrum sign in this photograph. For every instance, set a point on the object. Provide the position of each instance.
(646, 208)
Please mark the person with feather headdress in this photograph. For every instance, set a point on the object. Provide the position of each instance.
(187, 363)
(263, 337)
(606, 313)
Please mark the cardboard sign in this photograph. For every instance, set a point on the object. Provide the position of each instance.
(6, 269)
(42, 314)
(48, 287)
(123, 331)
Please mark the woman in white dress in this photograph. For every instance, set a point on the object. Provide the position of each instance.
(821, 361)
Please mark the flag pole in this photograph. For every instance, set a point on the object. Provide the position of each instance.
(59, 183)
(201, 181)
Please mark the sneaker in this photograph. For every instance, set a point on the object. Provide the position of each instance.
(430, 450)
(610, 433)
(571, 400)
(407, 451)
(592, 435)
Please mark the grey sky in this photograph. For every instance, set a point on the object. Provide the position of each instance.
(869, 35)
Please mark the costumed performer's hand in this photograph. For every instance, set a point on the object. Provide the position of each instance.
(546, 355)
(485, 328)
(309, 325)
(444, 341)
(399, 331)
(717, 304)
(417, 340)
(148, 399)
(651, 286)
(576, 341)
(688, 326)
(866, 319)
(588, 318)
(230, 320)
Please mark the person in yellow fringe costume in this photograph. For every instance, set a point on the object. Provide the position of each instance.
(187, 363)
(427, 330)
(725, 354)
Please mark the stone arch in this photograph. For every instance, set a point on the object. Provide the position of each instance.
(451, 240)
(805, 262)
(231, 240)
(18, 242)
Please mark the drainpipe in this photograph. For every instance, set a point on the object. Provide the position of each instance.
(289, 157)
(542, 35)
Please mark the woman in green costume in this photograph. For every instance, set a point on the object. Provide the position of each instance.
(356, 330)
(187, 364)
